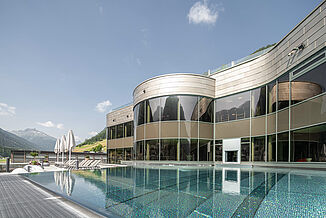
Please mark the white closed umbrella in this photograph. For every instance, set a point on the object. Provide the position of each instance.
(71, 143)
(63, 145)
(57, 148)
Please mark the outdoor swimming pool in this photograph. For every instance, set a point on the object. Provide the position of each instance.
(192, 192)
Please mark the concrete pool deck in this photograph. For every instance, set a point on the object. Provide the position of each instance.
(21, 198)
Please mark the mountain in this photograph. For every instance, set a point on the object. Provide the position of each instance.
(12, 141)
(99, 137)
(41, 140)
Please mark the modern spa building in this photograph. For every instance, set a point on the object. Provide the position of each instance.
(267, 107)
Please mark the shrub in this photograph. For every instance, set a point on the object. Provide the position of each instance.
(34, 154)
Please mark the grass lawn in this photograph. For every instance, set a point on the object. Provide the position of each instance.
(2, 160)
(89, 147)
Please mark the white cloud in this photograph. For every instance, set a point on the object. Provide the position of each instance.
(6, 110)
(60, 126)
(50, 124)
(78, 139)
(103, 106)
(200, 12)
(93, 133)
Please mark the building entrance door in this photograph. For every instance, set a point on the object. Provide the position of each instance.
(231, 150)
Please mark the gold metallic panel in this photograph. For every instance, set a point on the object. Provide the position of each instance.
(194, 130)
(169, 129)
(140, 132)
(185, 129)
(309, 113)
(152, 130)
(283, 120)
(271, 123)
(121, 143)
(175, 84)
(206, 130)
(129, 142)
(258, 126)
(234, 129)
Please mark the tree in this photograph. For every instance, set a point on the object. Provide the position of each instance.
(97, 148)
(34, 154)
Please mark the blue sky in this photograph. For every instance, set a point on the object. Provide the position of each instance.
(64, 64)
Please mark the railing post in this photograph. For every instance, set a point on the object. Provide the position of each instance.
(7, 164)
(77, 164)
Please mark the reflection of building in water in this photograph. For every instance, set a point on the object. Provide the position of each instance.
(272, 103)
(231, 180)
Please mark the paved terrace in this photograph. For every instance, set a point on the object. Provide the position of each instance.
(21, 198)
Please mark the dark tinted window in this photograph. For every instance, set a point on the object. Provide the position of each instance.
(128, 129)
(283, 91)
(120, 131)
(169, 149)
(309, 84)
(259, 148)
(188, 150)
(188, 107)
(233, 107)
(271, 97)
(258, 101)
(206, 108)
(152, 150)
(153, 110)
(169, 108)
(139, 111)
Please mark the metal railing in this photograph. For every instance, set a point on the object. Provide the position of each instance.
(239, 61)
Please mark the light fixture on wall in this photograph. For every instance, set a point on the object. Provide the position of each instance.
(295, 49)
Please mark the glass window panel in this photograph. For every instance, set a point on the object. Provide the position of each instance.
(188, 107)
(120, 131)
(271, 148)
(206, 108)
(169, 149)
(283, 91)
(112, 156)
(258, 148)
(128, 152)
(113, 132)
(218, 150)
(153, 110)
(139, 112)
(258, 101)
(271, 89)
(233, 107)
(188, 150)
(109, 133)
(120, 155)
(128, 129)
(309, 144)
(205, 150)
(152, 150)
(169, 108)
(245, 142)
(283, 147)
(309, 84)
(139, 150)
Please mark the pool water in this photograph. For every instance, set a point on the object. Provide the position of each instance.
(192, 192)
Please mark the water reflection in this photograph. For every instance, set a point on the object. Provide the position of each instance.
(65, 180)
(231, 180)
(185, 191)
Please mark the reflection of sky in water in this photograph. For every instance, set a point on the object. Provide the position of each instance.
(182, 192)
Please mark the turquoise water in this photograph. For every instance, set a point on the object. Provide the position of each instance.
(192, 192)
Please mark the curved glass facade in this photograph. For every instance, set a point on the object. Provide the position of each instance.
(282, 121)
